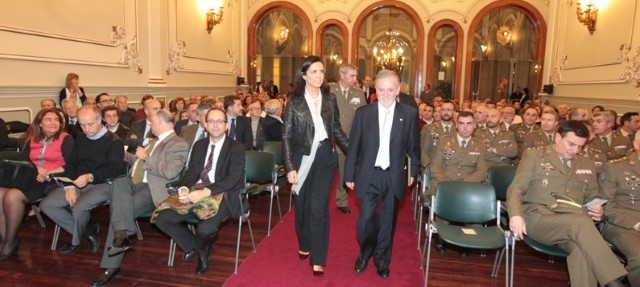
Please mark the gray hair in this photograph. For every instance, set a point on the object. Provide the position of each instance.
(96, 111)
(165, 115)
(386, 74)
(202, 108)
(272, 105)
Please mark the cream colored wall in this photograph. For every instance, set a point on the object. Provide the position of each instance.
(43, 40)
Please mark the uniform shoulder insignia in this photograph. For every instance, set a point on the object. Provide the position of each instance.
(537, 147)
(624, 158)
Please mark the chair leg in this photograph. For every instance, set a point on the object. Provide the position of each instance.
(270, 212)
(238, 244)
(56, 234)
(139, 231)
(513, 258)
(428, 249)
(172, 253)
(420, 226)
(36, 211)
(278, 201)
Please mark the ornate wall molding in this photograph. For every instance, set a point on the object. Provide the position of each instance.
(557, 73)
(631, 72)
(175, 56)
(233, 60)
(130, 55)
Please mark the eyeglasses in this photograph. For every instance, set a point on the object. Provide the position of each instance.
(216, 122)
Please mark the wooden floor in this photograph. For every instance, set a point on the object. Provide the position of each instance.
(146, 263)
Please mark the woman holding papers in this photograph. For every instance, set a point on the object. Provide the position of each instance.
(48, 150)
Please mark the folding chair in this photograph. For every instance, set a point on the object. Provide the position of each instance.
(260, 167)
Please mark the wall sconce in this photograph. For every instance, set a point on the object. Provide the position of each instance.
(283, 37)
(214, 17)
(536, 68)
(588, 16)
(503, 36)
(485, 51)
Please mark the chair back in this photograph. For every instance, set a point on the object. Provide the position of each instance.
(10, 155)
(501, 176)
(465, 202)
(274, 147)
(259, 166)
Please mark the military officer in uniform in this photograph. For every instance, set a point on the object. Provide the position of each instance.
(431, 133)
(558, 169)
(620, 184)
(612, 144)
(349, 98)
(459, 156)
(501, 144)
(544, 135)
(528, 125)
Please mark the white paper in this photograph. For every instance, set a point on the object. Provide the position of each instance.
(469, 231)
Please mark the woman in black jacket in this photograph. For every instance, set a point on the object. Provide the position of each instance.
(311, 130)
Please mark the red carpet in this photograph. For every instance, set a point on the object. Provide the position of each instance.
(276, 262)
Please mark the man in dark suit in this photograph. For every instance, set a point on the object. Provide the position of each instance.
(112, 122)
(152, 168)
(272, 123)
(142, 128)
(216, 167)
(382, 135)
(192, 113)
(407, 100)
(239, 125)
(70, 109)
(125, 114)
(368, 88)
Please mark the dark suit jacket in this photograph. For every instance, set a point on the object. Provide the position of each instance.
(365, 140)
(126, 117)
(243, 131)
(271, 128)
(407, 100)
(63, 95)
(179, 125)
(73, 130)
(138, 128)
(126, 135)
(229, 176)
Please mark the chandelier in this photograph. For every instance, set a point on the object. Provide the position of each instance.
(390, 55)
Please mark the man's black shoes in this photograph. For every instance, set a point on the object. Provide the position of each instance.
(120, 245)
(360, 266)
(108, 275)
(203, 259)
(187, 256)
(383, 272)
(93, 238)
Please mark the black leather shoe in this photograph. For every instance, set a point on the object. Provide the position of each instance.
(303, 256)
(120, 245)
(69, 248)
(203, 259)
(93, 238)
(344, 209)
(360, 266)
(187, 256)
(107, 276)
(383, 272)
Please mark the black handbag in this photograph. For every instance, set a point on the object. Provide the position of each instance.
(18, 174)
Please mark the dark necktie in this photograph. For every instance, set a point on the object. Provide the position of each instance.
(344, 94)
(204, 175)
(232, 129)
(446, 130)
(463, 144)
(605, 141)
(550, 137)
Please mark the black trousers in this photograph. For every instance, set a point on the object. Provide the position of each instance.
(312, 205)
(377, 220)
(174, 224)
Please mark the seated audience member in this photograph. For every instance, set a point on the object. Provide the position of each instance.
(132, 196)
(72, 126)
(193, 99)
(544, 135)
(217, 167)
(176, 105)
(72, 90)
(425, 113)
(141, 113)
(49, 150)
(508, 118)
(218, 105)
(192, 133)
(257, 133)
(239, 126)
(553, 169)
(596, 109)
(480, 117)
(47, 104)
(125, 114)
(103, 100)
(98, 157)
(191, 118)
(563, 112)
(501, 144)
(528, 125)
(459, 156)
(112, 122)
(613, 145)
(620, 184)
(90, 101)
(629, 125)
(598, 157)
(272, 123)
(578, 114)
(142, 128)
(430, 134)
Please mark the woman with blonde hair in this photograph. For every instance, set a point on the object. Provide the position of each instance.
(73, 90)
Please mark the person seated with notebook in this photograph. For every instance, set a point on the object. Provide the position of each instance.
(49, 151)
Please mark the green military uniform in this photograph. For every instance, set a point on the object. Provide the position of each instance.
(429, 136)
(618, 146)
(631, 135)
(520, 130)
(347, 104)
(620, 184)
(598, 157)
(540, 173)
(452, 162)
(537, 138)
(503, 141)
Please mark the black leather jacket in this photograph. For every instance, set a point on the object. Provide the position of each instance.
(298, 130)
